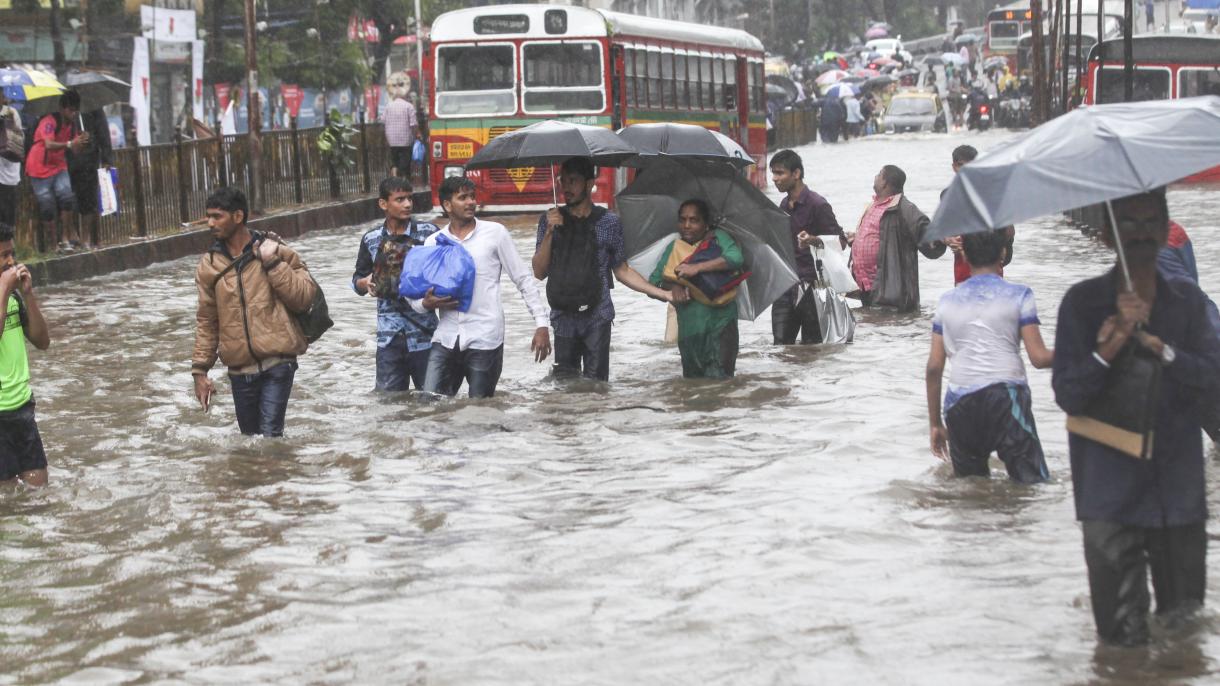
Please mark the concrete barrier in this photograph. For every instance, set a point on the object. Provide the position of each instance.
(143, 253)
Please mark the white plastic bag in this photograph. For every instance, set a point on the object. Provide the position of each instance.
(107, 191)
(834, 265)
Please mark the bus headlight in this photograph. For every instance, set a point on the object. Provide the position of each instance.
(454, 171)
(436, 149)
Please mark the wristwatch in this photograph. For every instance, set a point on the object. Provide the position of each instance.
(1167, 355)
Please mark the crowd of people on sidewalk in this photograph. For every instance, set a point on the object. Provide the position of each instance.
(253, 290)
(65, 150)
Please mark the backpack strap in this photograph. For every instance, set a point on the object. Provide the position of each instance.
(239, 263)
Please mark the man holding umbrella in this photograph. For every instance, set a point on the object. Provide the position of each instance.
(578, 247)
(82, 169)
(1139, 514)
(47, 168)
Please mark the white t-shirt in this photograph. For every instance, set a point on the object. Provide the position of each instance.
(981, 321)
(10, 172)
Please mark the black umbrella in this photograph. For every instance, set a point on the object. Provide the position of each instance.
(879, 81)
(966, 39)
(96, 90)
(781, 81)
(551, 141)
(649, 211)
(931, 60)
(685, 140)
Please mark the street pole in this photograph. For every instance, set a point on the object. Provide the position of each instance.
(419, 55)
(1128, 55)
(254, 146)
(1039, 65)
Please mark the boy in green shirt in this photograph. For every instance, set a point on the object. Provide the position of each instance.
(21, 453)
(707, 326)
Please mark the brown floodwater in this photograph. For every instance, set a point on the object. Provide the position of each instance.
(787, 526)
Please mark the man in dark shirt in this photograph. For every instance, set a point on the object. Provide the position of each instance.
(809, 216)
(1139, 514)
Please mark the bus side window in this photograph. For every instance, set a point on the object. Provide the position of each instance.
(667, 78)
(629, 75)
(696, 88)
(718, 81)
(654, 79)
(760, 83)
(705, 73)
(683, 99)
(731, 83)
(641, 77)
(1193, 82)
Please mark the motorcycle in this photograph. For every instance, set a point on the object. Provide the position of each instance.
(980, 112)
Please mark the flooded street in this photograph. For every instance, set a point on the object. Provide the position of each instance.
(787, 526)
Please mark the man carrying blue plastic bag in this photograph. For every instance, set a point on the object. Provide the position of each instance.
(469, 345)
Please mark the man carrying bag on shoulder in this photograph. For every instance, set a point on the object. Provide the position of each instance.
(252, 292)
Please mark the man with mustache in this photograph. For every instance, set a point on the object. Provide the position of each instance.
(1139, 515)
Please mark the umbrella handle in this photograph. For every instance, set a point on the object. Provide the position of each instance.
(554, 191)
(1118, 247)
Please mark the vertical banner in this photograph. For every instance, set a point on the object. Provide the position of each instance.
(372, 98)
(293, 97)
(197, 79)
(139, 90)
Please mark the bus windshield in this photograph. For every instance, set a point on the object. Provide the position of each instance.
(475, 79)
(563, 77)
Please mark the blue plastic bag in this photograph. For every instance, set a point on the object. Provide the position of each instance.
(445, 267)
(417, 151)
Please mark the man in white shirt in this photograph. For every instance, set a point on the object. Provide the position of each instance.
(10, 172)
(470, 345)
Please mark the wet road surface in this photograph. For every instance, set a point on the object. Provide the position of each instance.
(787, 526)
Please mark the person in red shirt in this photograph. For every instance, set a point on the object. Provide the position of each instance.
(962, 155)
(47, 167)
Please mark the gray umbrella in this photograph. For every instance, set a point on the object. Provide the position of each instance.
(649, 211)
(1091, 155)
(685, 140)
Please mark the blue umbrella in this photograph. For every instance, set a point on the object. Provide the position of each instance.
(842, 90)
(22, 86)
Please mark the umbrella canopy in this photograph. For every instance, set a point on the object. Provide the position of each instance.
(866, 73)
(25, 86)
(830, 55)
(854, 80)
(932, 60)
(778, 92)
(882, 61)
(878, 82)
(952, 58)
(876, 32)
(685, 140)
(905, 72)
(649, 211)
(551, 141)
(823, 67)
(97, 90)
(784, 82)
(842, 90)
(832, 76)
(1091, 155)
(998, 62)
(966, 39)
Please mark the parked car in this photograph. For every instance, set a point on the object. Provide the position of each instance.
(914, 111)
(887, 47)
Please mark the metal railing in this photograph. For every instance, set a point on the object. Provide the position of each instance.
(795, 127)
(162, 187)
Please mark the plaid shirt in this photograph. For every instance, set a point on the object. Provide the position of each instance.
(611, 252)
(400, 124)
(868, 242)
(394, 315)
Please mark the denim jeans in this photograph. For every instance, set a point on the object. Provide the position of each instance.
(587, 355)
(54, 194)
(261, 400)
(447, 368)
(788, 318)
(398, 367)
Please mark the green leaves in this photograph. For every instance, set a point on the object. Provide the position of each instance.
(335, 141)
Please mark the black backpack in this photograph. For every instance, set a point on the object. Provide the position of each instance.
(574, 282)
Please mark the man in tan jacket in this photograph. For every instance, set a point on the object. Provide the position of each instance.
(250, 285)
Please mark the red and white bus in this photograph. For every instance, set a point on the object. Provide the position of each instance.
(1167, 67)
(495, 69)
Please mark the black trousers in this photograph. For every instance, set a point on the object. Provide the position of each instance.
(1119, 558)
(788, 317)
(587, 355)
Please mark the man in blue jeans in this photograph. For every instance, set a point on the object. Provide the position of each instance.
(470, 345)
(250, 287)
(404, 336)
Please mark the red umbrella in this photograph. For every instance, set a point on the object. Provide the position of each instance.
(866, 73)
(832, 76)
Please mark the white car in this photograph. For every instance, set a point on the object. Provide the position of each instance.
(887, 47)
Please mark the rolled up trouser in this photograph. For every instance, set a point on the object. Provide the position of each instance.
(997, 418)
(1119, 557)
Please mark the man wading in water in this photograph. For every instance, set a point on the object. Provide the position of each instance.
(1139, 514)
(250, 285)
(578, 247)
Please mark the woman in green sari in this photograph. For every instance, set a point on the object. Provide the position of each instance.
(707, 322)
